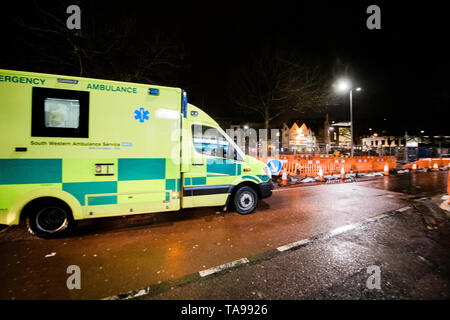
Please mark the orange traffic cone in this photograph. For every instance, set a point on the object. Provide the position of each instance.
(435, 167)
(342, 173)
(321, 178)
(284, 178)
(386, 169)
(414, 167)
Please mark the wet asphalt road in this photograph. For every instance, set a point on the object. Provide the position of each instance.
(414, 263)
(420, 184)
(117, 255)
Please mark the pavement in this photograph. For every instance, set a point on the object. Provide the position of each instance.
(163, 256)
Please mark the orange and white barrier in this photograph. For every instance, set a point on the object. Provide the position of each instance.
(291, 167)
(309, 166)
(428, 163)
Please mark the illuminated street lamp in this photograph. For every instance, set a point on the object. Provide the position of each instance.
(344, 85)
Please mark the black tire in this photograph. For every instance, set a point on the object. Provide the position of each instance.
(245, 200)
(49, 218)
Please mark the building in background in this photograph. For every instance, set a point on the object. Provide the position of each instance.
(313, 136)
(407, 147)
(319, 135)
(340, 135)
(375, 141)
(297, 139)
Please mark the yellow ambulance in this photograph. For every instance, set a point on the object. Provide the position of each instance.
(76, 148)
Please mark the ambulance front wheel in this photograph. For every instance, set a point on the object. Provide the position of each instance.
(49, 218)
(245, 200)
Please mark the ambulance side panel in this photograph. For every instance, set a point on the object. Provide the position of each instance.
(105, 148)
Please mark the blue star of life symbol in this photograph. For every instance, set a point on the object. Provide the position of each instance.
(141, 114)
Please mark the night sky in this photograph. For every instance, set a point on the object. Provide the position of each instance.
(403, 68)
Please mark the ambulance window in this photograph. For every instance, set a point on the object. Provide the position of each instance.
(209, 141)
(60, 113)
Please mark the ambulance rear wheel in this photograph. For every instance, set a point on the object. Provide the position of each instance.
(245, 200)
(49, 218)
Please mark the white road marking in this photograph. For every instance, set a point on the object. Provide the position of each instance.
(131, 295)
(141, 292)
(380, 216)
(342, 229)
(293, 245)
(222, 267)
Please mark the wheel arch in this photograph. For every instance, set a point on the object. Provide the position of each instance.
(18, 210)
(247, 183)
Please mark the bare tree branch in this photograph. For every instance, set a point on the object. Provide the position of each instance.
(273, 84)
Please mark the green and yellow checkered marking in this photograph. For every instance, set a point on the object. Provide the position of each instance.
(131, 181)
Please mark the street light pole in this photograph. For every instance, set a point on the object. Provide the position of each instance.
(351, 123)
(345, 85)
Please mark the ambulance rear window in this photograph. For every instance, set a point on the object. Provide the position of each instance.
(60, 113)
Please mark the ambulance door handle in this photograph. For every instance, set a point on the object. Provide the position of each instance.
(197, 164)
